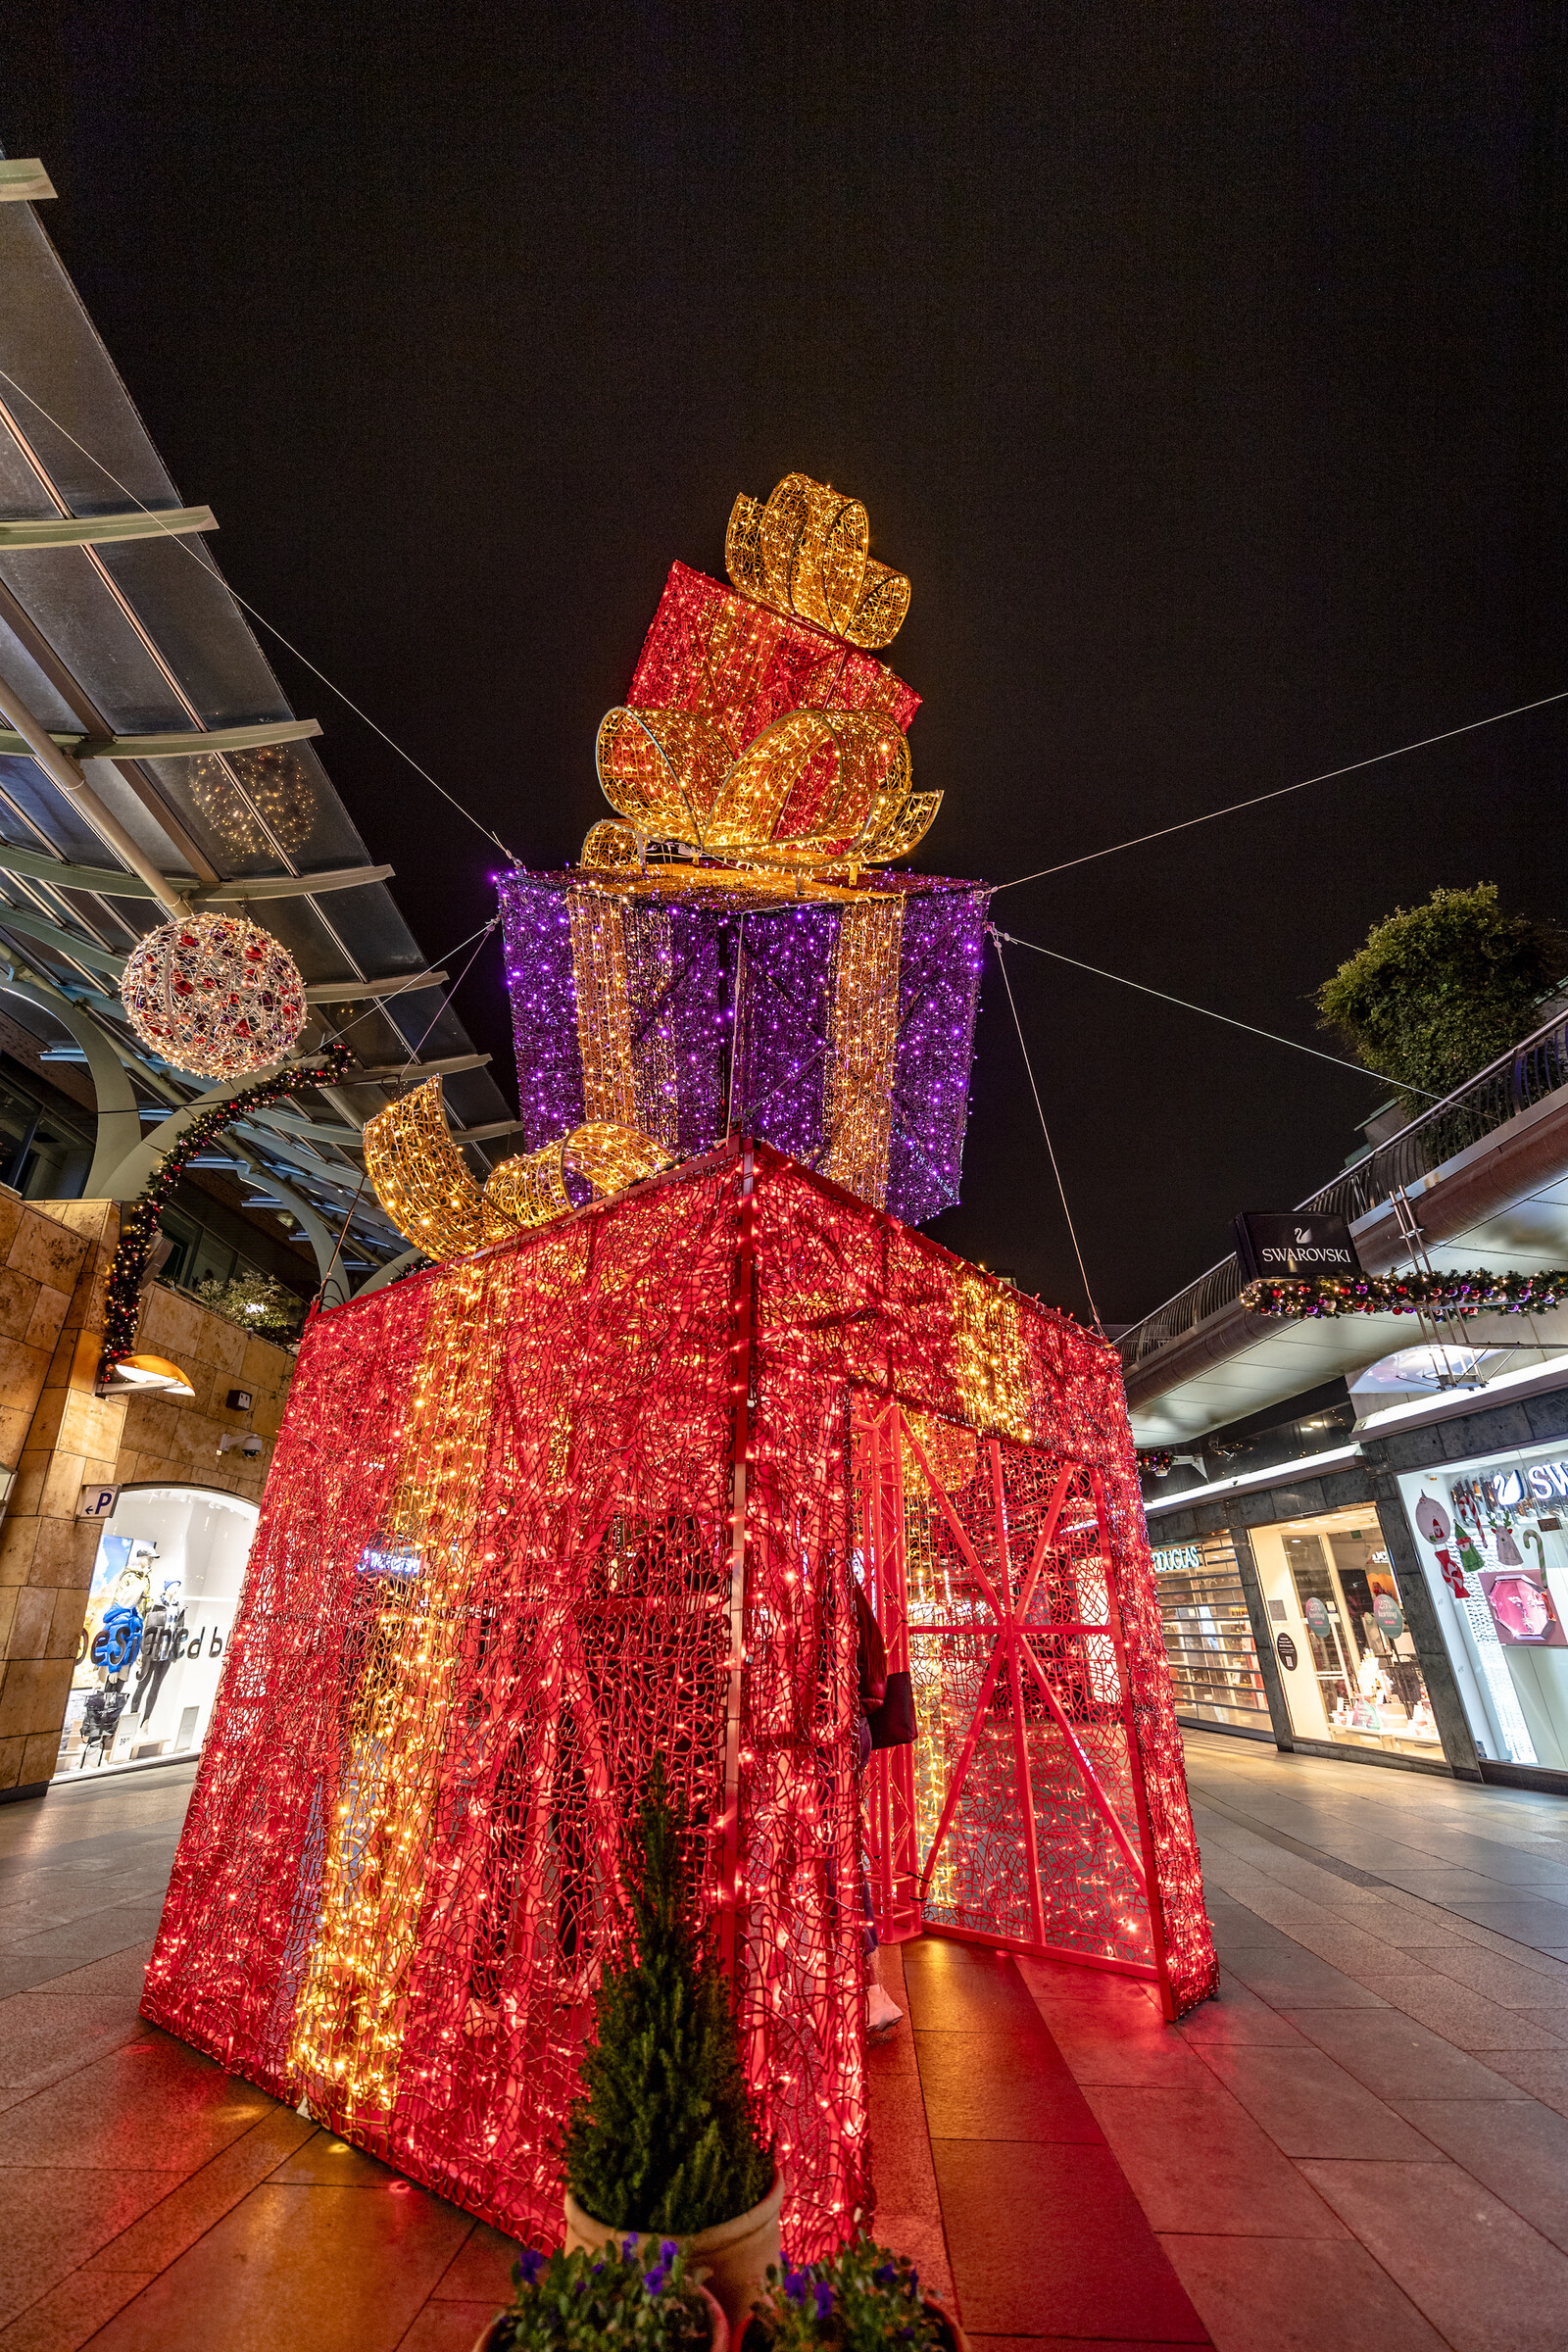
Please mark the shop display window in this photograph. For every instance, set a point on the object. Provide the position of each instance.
(1208, 1635)
(166, 1580)
(1492, 1545)
(1347, 1656)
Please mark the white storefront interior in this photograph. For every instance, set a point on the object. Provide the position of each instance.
(166, 1583)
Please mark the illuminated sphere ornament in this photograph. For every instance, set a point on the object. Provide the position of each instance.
(213, 994)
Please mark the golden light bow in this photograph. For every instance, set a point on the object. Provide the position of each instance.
(423, 1183)
(808, 552)
(818, 788)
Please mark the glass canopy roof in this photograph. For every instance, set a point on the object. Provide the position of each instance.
(137, 636)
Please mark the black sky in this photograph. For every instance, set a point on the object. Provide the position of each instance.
(1203, 368)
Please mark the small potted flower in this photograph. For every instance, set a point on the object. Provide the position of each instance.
(863, 2299)
(643, 2297)
(664, 2141)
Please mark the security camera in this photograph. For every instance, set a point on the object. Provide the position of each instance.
(247, 1441)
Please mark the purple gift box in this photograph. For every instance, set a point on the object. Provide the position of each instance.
(837, 1025)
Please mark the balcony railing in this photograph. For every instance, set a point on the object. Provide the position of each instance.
(1528, 1073)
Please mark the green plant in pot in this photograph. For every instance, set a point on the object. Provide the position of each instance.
(861, 2299)
(642, 2298)
(663, 2141)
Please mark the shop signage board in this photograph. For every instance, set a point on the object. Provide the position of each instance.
(1178, 1559)
(1275, 1247)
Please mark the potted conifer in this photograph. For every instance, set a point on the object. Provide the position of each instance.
(663, 2141)
(863, 2299)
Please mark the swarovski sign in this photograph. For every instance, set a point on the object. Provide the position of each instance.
(1290, 1248)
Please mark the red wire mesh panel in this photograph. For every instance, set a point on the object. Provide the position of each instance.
(536, 1517)
(1030, 1822)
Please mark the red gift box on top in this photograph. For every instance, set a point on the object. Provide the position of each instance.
(747, 666)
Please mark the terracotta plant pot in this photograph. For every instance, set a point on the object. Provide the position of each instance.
(731, 2258)
(490, 2338)
(754, 2336)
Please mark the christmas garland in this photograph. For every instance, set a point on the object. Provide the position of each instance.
(1154, 1457)
(138, 1224)
(1477, 1293)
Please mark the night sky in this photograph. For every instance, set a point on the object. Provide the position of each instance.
(1202, 367)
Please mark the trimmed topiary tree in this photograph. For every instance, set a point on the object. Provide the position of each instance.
(665, 2132)
(1438, 991)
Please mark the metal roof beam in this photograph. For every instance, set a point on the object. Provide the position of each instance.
(24, 180)
(288, 1122)
(389, 1273)
(133, 1171)
(69, 943)
(117, 1126)
(38, 866)
(390, 1072)
(348, 992)
(65, 774)
(186, 743)
(292, 886)
(104, 530)
(297, 1155)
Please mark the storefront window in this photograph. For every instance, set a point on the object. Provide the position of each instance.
(1346, 1657)
(165, 1582)
(1491, 1535)
(1208, 1635)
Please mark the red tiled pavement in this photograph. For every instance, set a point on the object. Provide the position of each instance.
(1044, 2237)
(1360, 2146)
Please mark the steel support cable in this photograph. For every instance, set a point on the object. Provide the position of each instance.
(447, 992)
(1280, 791)
(261, 618)
(996, 941)
(1360, 1069)
(1042, 873)
(408, 1065)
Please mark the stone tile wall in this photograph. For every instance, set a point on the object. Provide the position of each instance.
(178, 1443)
(58, 1435)
(54, 1263)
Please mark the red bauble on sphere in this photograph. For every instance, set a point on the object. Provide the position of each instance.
(213, 994)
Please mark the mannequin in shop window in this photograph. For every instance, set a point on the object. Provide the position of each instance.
(162, 1633)
(100, 1719)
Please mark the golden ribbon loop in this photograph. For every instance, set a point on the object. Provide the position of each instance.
(823, 789)
(808, 552)
(816, 787)
(423, 1183)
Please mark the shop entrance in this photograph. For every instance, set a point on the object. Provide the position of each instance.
(1346, 1657)
(166, 1580)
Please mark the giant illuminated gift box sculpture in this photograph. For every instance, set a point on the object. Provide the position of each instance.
(594, 1491)
(764, 972)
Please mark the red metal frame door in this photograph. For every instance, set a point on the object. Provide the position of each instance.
(1015, 1640)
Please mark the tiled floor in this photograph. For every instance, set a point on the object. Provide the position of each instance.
(1361, 2147)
